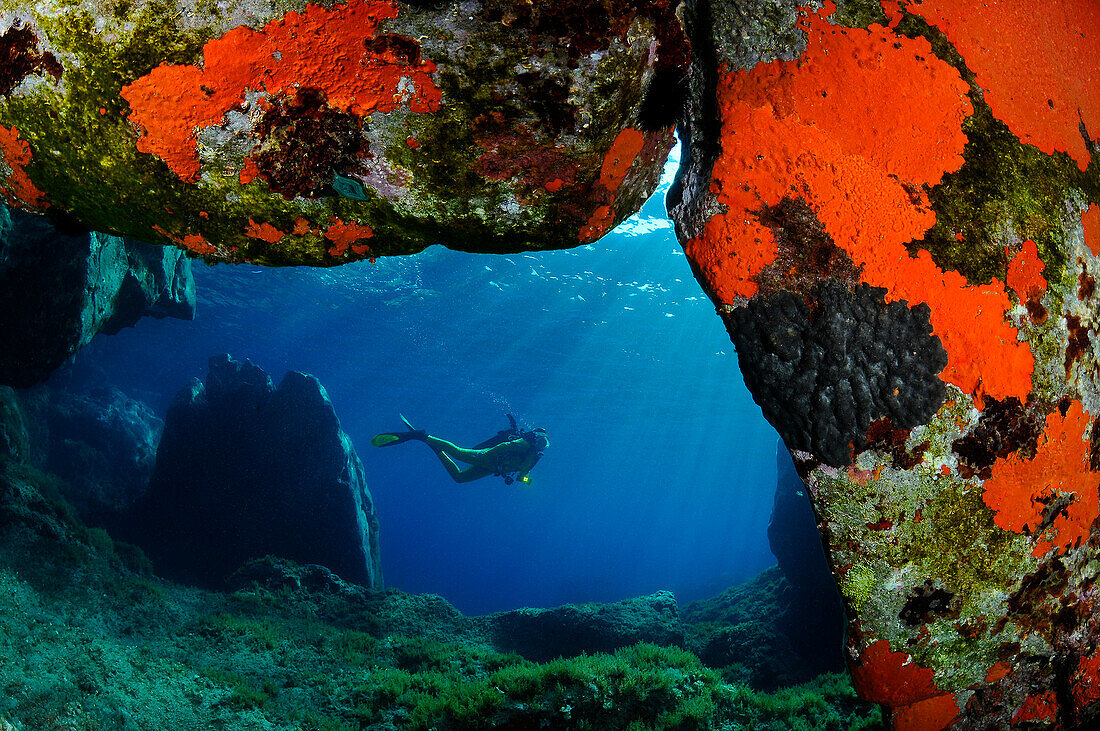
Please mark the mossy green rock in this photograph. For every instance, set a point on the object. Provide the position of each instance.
(281, 132)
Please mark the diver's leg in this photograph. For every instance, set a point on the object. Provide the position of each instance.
(458, 474)
(442, 446)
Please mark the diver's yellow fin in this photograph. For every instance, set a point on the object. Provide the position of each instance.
(384, 440)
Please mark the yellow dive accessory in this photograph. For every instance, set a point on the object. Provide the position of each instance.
(525, 478)
(381, 440)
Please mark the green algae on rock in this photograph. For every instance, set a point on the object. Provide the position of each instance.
(284, 132)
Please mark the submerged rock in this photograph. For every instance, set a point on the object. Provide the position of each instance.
(15, 441)
(813, 618)
(756, 633)
(104, 445)
(229, 130)
(245, 469)
(57, 291)
(277, 574)
(896, 210)
(573, 629)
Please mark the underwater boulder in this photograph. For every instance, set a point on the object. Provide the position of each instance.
(318, 133)
(58, 290)
(15, 440)
(575, 629)
(245, 469)
(279, 575)
(768, 630)
(895, 208)
(103, 444)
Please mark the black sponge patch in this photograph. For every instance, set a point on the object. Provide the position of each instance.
(822, 372)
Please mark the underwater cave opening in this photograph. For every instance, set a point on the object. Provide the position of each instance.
(661, 470)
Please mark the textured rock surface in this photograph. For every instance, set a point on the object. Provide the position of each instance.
(914, 199)
(57, 291)
(245, 469)
(822, 375)
(104, 445)
(282, 132)
(573, 629)
(756, 633)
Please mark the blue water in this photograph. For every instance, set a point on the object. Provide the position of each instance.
(661, 470)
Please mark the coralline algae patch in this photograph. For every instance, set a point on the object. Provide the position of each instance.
(1025, 276)
(195, 243)
(624, 151)
(334, 51)
(823, 128)
(1038, 64)
(1054, 495)
(343, 236)
(17, 189)
(1090, 222)
(896, 680)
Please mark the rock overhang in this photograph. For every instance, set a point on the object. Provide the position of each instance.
(286, 132)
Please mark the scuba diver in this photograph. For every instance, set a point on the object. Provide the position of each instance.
(510, 454)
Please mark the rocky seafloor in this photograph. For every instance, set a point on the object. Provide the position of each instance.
(91, 637)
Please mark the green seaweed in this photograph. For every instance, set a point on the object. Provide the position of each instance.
(244, 692)
(857, 584)
(1004, 190)
(961, 524)
(859, 13)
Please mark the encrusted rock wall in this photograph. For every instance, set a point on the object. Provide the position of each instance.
(287, 132)
(895, 208)
(57, 291)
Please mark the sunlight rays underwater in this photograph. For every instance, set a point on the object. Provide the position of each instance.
(661, 470)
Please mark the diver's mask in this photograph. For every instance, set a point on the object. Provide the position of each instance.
(537, 438)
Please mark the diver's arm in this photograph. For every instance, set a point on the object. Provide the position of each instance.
(522, 476)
